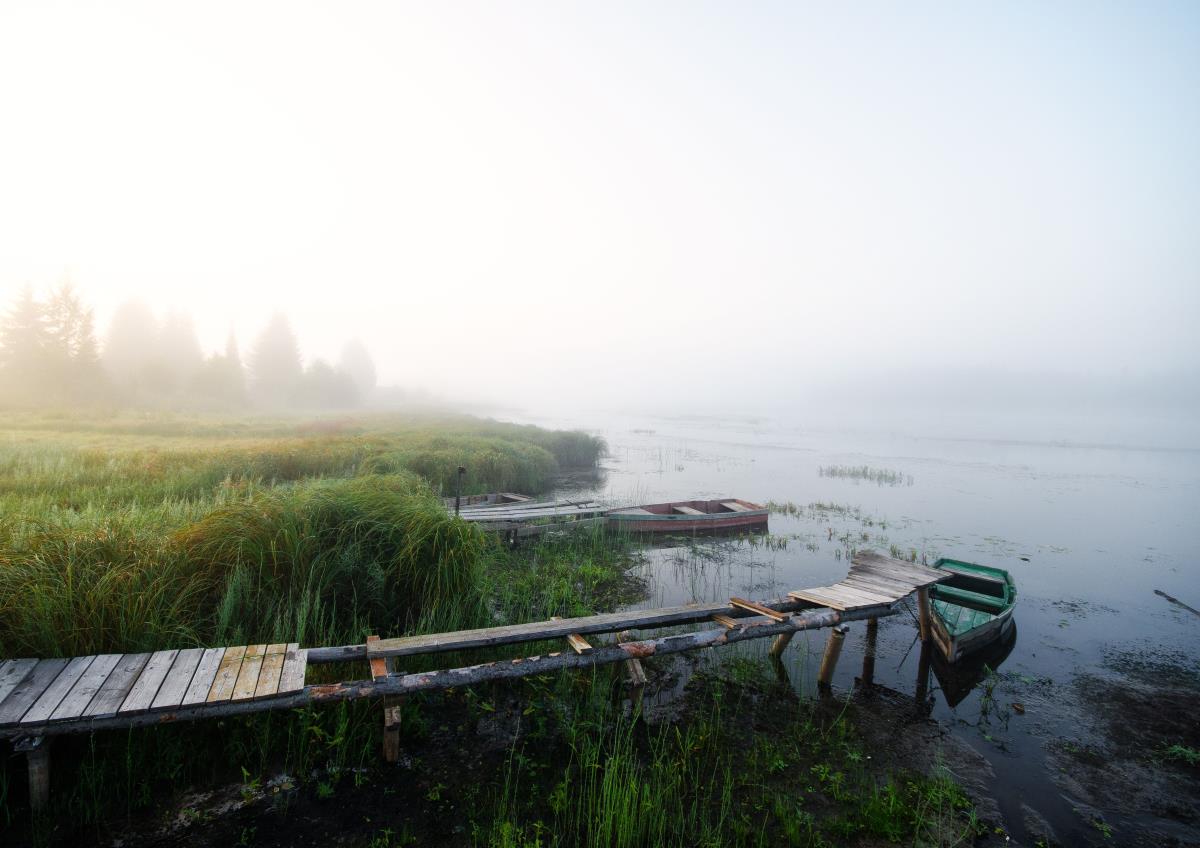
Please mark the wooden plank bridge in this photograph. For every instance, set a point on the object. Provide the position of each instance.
(42, 698)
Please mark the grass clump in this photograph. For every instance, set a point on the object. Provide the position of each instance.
(880, 476)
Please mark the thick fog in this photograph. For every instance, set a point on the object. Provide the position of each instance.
(673, 206)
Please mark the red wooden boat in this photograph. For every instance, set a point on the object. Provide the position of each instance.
(724, 515)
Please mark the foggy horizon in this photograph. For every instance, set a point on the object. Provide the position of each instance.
(630, 207)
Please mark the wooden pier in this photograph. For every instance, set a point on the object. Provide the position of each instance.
(42, 698)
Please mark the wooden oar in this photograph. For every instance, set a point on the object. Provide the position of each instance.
(1177, 602)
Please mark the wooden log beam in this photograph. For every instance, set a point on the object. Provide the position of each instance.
(405, 684)
(541, 630)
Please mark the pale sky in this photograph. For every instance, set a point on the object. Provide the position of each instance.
(567, 202)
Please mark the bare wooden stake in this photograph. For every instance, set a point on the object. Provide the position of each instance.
(923, 611)
(868, 669)
(391, 734)
(923, 674)
(780, 644)
(833, 650)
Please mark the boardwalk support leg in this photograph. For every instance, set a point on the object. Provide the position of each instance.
(833, 650)
(637, 674)
(780, 644)
(869, 649)
(37, 755)
(923, 611)
(391, 721)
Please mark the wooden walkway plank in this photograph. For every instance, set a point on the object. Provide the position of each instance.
(272, 669)
(827, 596)
(227, 674)
(202, 680)
(870, 596)
(295, 662)
(895, 587)
(141, 694)
(85, 688)
(30, 689)
(175, 684)
(247, 679)
(120, 680)
(12, 672)
(56, 691)
(725, 621)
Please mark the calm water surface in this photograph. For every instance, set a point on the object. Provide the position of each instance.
(1089, 532)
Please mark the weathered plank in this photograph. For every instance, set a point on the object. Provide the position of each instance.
(295, 661)
(845, 593)
(272, 669)
(823, 597)
(12, 672)
(247, 679)
(870, 559)
(141, 694)
(868, 595)
(687, 510)
(227, 674)
(896, 587)
(76, 702)
(206, 672)
(115, 689)
(175, 684)
(30, 688)
(49, 700)
(735, 506)
(725, 620)
(752, 606)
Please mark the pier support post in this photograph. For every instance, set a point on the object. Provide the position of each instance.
(637, 674)
(923, 674)
(869, 649)
(780, 644)
(924, 613)
(833, 650)
(37, 755)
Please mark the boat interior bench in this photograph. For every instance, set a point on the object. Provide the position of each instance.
(688, 510)
(734, 506)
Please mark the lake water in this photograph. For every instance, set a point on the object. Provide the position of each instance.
(1089, 532)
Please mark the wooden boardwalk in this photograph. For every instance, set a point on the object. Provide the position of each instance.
(41, 698)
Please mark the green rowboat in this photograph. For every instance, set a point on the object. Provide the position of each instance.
(972, 608)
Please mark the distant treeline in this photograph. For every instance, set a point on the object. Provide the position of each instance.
(50, 356)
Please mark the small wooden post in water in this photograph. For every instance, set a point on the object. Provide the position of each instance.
(833, 650)
(37, 755)
(868, 669)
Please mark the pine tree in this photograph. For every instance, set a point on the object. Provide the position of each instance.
(23, 349)
(275, 363)
(356, 361)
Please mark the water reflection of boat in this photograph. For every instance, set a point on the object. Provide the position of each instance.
(972, 608)
(689, 516)
(958, 679)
